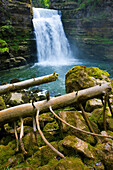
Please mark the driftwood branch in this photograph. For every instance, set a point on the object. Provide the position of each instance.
(43, 137)
(77, 129)
(28, 83)
(104, 110)
(16, 135)
(87, 121)
(21, 135)
(26, 110)
(109, 104)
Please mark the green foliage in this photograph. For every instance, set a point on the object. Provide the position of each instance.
(3, 50)
(3, 43)
(3, 46)
(45, 3)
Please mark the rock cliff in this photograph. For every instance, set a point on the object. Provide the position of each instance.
(89, 26)
(15, 33)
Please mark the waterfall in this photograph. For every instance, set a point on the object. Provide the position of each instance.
(52, 45)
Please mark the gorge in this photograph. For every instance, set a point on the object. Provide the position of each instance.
(20, 44)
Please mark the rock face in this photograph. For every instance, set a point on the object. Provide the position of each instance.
(15, 33)
(88, 26)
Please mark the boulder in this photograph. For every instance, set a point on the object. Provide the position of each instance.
(69, 163)
(93, 104)
(75, 118)
(2, 104)
(73, 144)
(96, 116)
(81, 77)
(16, 99)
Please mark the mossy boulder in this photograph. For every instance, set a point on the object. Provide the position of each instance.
(104, 152)
(81, 77)
(7, 151)
(65, 164)
(30, 143)
(72, 145)
(110, 123)
(51, 126)
(97, 117)
(2, 104)
(75, 118)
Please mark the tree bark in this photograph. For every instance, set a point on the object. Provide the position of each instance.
(28, 83)
(25, 110)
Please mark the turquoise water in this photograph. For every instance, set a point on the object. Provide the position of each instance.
(59, 85)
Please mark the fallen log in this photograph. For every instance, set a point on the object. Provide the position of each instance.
(26, 110)
(28, 83)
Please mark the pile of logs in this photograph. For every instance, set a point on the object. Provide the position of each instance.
(33, 109)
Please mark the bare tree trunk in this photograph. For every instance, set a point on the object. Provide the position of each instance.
(26, 110)
(28, 83)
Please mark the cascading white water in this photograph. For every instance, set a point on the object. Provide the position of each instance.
(52, 45)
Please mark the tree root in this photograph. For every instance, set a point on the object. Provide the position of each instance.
(87, 121)
(43, 137)
(77, 129)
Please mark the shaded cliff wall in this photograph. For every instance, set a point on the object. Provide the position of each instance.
(89, 26)
(16, 33)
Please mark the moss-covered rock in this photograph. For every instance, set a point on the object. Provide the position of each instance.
(2, 104)
(110, 124)
(68, 163)
(104, 152)
(30, 143)
(51, 126)
(97, 117)
(81, 77)
(75, 118)
(73, 145)
(6, 152)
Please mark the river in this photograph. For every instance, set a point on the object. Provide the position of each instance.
(53, 54)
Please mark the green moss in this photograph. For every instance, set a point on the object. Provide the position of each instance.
(3, 50)
(68, 163)
(35, 161)
(2, 104)
(6, 152)
(97, 117)
(51, 126)
(47, 154)
(80, 77)
(46, 117)
(30, 143)
(7, 30)
(3, 43)
(96, 72)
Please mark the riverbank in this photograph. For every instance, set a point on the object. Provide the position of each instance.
(81, 150)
